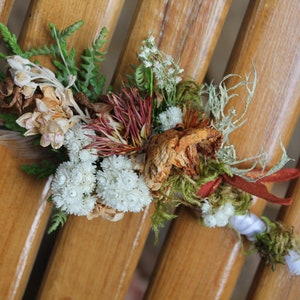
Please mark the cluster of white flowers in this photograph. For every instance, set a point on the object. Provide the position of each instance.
(120, 187)
(170, 117)
(75, 180)
(76, 139)
(166, 71)
(216, 217)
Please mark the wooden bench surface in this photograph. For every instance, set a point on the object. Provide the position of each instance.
(96, 259)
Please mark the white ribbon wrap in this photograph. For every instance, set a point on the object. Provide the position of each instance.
(250, 224)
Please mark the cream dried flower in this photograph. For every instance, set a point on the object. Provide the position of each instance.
(51, 118)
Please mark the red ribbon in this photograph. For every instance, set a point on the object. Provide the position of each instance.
(256, 188)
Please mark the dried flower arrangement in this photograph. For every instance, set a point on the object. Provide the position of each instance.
(159, 139)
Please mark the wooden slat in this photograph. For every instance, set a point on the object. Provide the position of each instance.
(112, 250)
(95, 15)
(202, 262)
(5, 9)
(24, 215)
(280, 284)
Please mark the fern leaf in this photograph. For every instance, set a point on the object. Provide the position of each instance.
(143, 78)
(10, 41)
(58, 219)
(67, 66)
(90, 81)
(67, 32)
(10, 123)
(41, 170)
(101, 39)
(45, 50)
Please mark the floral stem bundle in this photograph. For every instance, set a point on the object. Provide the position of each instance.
(159, 139)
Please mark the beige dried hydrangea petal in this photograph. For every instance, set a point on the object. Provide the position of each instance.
(107, 213)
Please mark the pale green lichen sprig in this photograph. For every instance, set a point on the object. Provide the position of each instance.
(218, 97)
(226, 121)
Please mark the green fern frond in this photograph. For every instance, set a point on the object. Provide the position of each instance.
(58, 219)
(41, 170)
(51, 50)
(70, 30)
(10, 41)
(67, 66)
(11, 124)
(144, 78)
(89, 81)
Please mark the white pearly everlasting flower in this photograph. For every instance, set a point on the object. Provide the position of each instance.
(217, 217)
(76, 139)
(170, 117)
(120, 187)
(209, 221)
(72, 187)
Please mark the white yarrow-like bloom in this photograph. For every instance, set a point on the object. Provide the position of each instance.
(217, 217)
(166, 71)
(120, 187)
(170, 117)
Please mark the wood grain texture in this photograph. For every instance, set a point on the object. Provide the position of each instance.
(95, 14)
(24, 215)
(208, 261)
(5, 9)
(111, 250)
(280, 284)
(95, 259)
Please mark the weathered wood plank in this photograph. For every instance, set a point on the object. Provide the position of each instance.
(202, 262)
(24, 215)
(5, 9)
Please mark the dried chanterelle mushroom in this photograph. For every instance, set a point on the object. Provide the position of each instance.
(179, 148)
